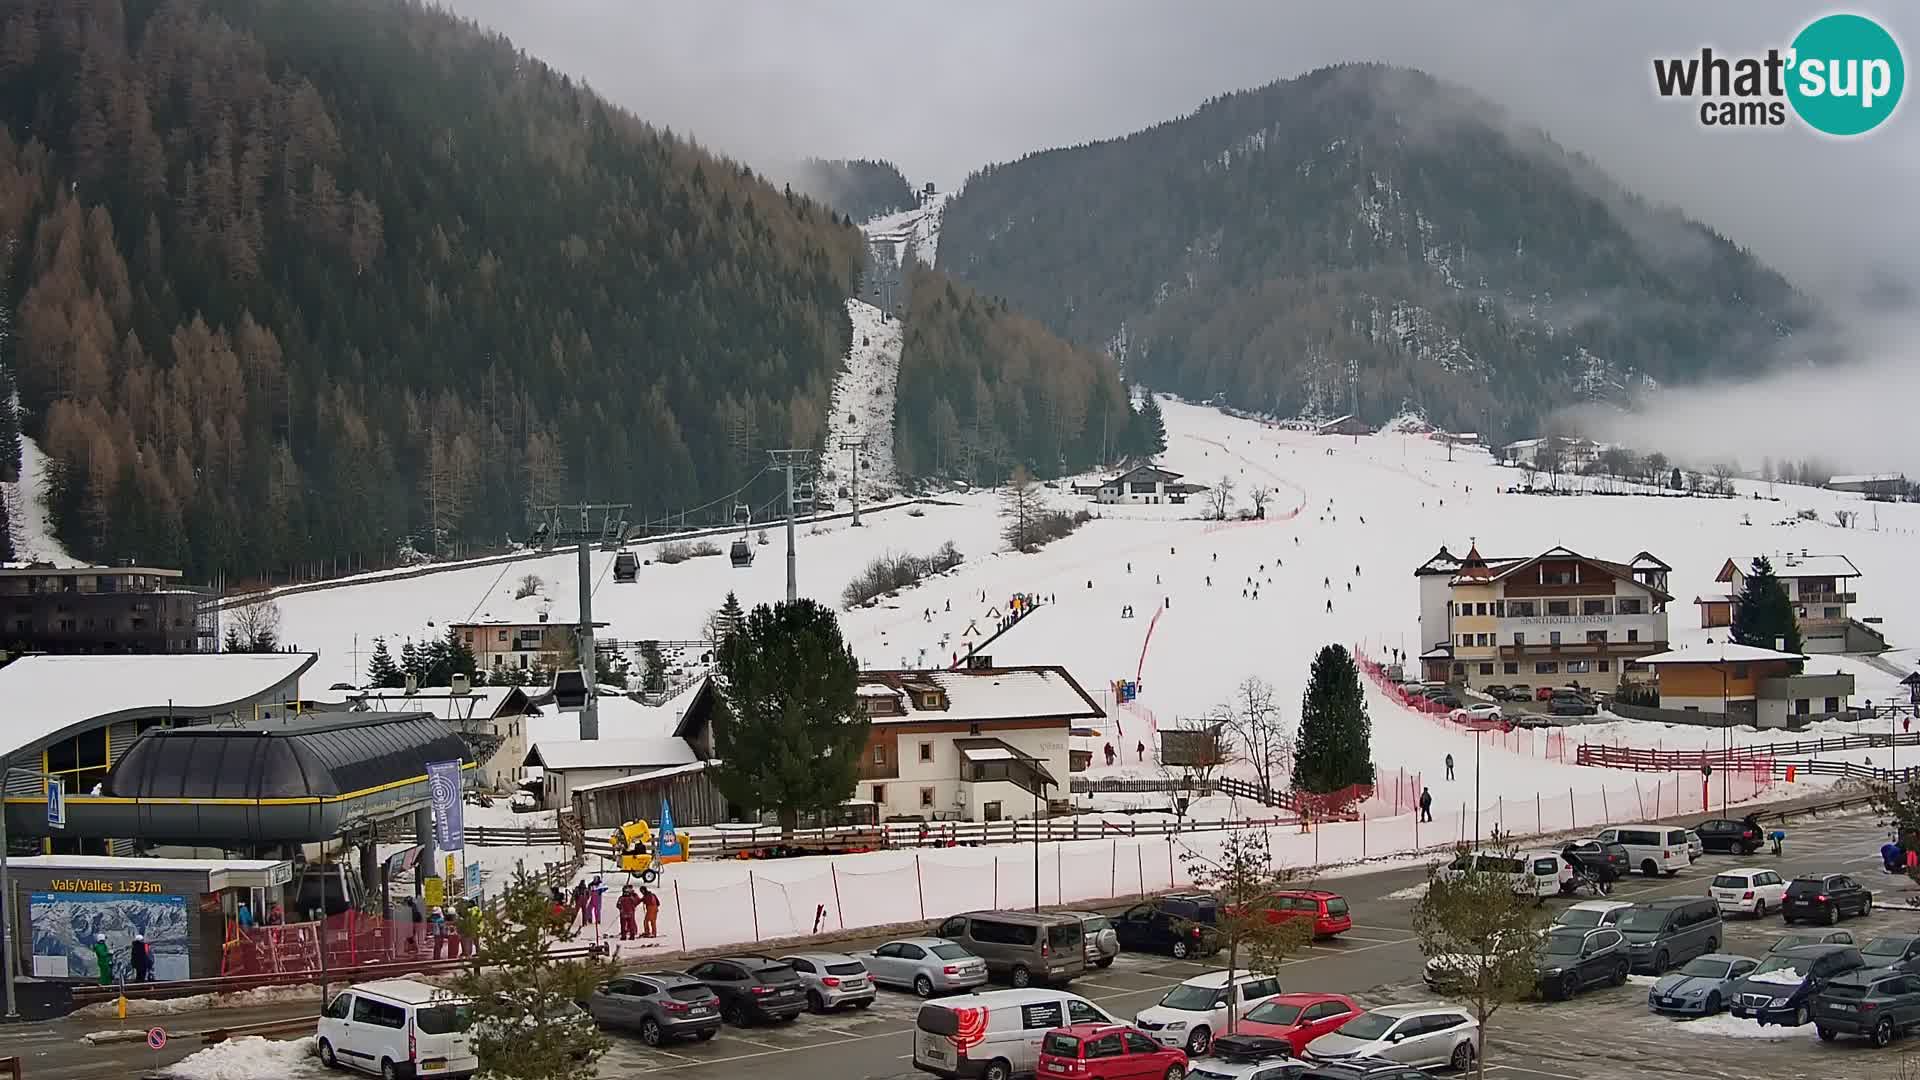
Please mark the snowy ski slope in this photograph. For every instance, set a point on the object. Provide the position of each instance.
(1208, 636)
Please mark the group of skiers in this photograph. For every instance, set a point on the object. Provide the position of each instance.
(139, 959)
(584, 907)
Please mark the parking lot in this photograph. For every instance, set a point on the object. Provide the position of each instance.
(1602, 1033)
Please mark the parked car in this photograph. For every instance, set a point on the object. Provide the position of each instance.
(1476, 713)
(1364, 1070)
(1295, 1019)
(1180, 925)
(1544, 693)
(994, 1034)
(1569, 961)
(1021, 947)
(1108, 1052)
(1825, 898)
(1702, 986)
(1729, 836)
(660, 1006)
(1192, 1013)
(1328, 910)
(1796, 939)
(1880, 1004)
(1781, 989)
(1599, 857)
(1590, 914)
(559, 1012)
(1445, 971)
(1749, 890)
(1103, 943)
(1496, 691)
(1425, 1034)
(1653, 849)
(1537, 874)
(1695, 848)
(752, 988)
(925, 965)
(1662, 933)
(1518, 692)
(1248, 1057)
(1900, 951)
(833, 980)
(1565, 704)
(395, 1027)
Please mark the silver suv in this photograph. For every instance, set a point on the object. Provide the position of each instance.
(833, 980)
(1103, 942)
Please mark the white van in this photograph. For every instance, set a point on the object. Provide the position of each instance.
(1535, 873)
(995, 1035)
(1651, 849)
(397, 1028)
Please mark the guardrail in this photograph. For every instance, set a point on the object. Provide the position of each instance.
(1739, 758)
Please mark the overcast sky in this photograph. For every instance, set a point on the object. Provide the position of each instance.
(944, 88)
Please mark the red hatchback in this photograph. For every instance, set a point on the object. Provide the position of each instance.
(1327, 910)
(1298, 1018)
(1107, 1052)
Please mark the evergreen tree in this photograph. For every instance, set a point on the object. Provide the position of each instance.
(6, 530)
(1762, 615)
(446, 657)
(413, 662)
(231, 641)
(382, 672)
(654, 678)
(1149, 435)
(787, 726)
(730, 617)
(1336, 737)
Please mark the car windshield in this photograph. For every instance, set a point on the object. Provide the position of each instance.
(443, 1019)
(950, 952)
(1191, 998)
(1886, 946)
(1274, 1012)
(1579, 917)
(1642, 919)
(1096, 924)
(1564, 944)
(1790, 941)
(1370, 1025)
(1730, 881)
(1703, 968)
(1061, 1044)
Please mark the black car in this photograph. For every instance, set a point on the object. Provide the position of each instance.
(1729, 836)
(752, 988)
(1180, 925)
(1569, 961)
(1781, 989)
(1900, 951)
(1608, 862)
(1825, 898)
(1878, 1004)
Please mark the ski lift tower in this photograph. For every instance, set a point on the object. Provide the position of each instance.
(798, 462)
(855, 443)
(572, 523)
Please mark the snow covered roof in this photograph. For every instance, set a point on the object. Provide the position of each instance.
(1864, 478)
(1646, 560)
(641, 778)
(974, 694)
(1789, 565)
(1148, 472)
(222, 874)
(554, 605)
(41, 696)
(564, 754)
(1623, 571)
(1722, 653)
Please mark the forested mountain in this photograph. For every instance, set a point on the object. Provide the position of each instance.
(1369, 237)
(293, 280)
(858, 189)
(983, 388)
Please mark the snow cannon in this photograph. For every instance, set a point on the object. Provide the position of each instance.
(634, 848)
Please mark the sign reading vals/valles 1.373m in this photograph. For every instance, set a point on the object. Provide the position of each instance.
(103, 885)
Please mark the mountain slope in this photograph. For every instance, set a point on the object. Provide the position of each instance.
(1364, 236)
(298, 280)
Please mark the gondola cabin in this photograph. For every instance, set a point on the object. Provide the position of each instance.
(741, 554)
(626, 567)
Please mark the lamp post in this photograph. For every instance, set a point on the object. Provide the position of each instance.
(1476, 787)
(1726, 740)
(1039, 786)
(8, 923)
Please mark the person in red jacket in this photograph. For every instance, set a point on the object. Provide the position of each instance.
(652, 902)
(628, 903)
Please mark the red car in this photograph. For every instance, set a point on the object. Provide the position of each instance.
(1297, 1018)
(1107, 1052)
(1327, 910)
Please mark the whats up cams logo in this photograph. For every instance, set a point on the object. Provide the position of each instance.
(1842, 75)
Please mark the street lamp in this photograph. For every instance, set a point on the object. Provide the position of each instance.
(1726, 740)
(1476, 786)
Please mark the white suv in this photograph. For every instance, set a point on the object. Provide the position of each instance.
(1651, 849)
(1749, 890)
(1193, 1013)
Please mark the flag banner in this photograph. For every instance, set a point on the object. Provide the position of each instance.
(443, 780)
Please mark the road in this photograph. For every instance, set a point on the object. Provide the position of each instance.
(1378, 962)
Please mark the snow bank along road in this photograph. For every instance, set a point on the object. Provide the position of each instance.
(1379, 961)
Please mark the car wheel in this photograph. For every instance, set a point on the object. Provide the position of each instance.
(1650, 868)
(1199, 1042)
(1021, 977)
(1462, 1058)
(1833, 914)
(650, 1032)
(923, 986)
(1883, 1032)
(1826, 1033)
(707, 1034)
(1759, 909)
(1660, 962)
(733, 1015)
(997, 1069)
(388, 1070)
(1176, 1072)
(1801, 1016)
(1620, 973)
(327, 1057)
(1180, 949)
(1104, 962)
(1569, 986)
(818, 1004)
(1714, 1004)
(1866, 906)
